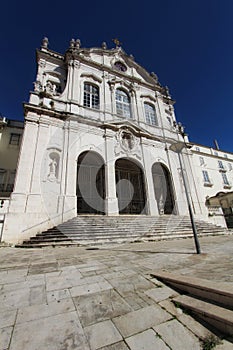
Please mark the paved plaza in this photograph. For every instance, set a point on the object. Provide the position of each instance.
(80, 298)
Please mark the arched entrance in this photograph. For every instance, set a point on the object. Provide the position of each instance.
(130, 187)
(163, 188)
(90, 184)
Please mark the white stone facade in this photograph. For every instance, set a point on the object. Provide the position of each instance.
(97, 117)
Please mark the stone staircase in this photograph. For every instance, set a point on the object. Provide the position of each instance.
(98, 229)
(209, 301)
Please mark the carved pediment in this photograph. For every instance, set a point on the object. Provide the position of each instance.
(92, 76)
(129, 126)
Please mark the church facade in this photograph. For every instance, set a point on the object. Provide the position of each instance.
(100, 137)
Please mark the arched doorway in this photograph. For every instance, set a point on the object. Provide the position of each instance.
(163, 188)
(130, 187)
(90, 184)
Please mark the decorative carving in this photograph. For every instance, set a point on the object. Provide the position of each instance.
(42, 63)
(150, 97)
(76, 64)
(127, 143)
(92, 76)
(38, 86)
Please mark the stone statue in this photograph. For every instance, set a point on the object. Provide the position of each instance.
(52, 169)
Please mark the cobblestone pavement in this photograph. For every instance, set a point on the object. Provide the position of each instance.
(77, 298)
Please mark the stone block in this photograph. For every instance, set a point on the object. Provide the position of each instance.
(5, 337)
(54, 333)
(147, 340)
(35, 312)
(161, 293)
(175, 334)
(102, 334)
(89, 288)
(98, 307)
(140, 320)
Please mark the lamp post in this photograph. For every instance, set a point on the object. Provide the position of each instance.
(178, 147)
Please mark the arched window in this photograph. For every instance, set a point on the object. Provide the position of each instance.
(150, 114)
(123, 104)
(91, 96)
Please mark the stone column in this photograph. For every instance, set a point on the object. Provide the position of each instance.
(111, 201)
(149, 184)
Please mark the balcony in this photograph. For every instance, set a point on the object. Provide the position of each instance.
(208, 183)
(227, 185)
(222, 168)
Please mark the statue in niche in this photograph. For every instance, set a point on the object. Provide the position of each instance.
(53, 169)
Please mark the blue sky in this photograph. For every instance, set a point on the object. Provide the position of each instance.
(188, 44)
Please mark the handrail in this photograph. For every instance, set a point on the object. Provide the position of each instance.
(42, 222)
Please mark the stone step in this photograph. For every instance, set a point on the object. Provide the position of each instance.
(98, 229)
(216, 292)
(219, 317)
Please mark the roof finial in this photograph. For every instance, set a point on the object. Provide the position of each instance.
(78, 43)
(117, 42)
(72, 43)
(45, 43)
(104, 45)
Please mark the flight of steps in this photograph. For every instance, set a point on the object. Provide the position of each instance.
(99, 229)
(208, 300)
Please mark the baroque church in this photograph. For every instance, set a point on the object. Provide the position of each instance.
(100, 137)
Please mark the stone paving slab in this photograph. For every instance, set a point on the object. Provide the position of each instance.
(175, 334)
(77, 299)
(147, 340)
(140, 320)
(57, 332)
(100, 306)
(5, 337)
(102, 334)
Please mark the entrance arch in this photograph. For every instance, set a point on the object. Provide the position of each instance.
(90, 183)
(163, 188)
(130, 187)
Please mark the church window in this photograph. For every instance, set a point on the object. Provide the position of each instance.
(150, 114)
(123, 104)
(91, 96)
(14, 139)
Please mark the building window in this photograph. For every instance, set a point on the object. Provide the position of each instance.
(230, 166)
(206, 176)
(220, 164)
(91, 96)
(150, 114)
(197, 149)
(14, 139)
(225, 179)
(216, 153)
(202, 161)
(123, 104)
(225, 155)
